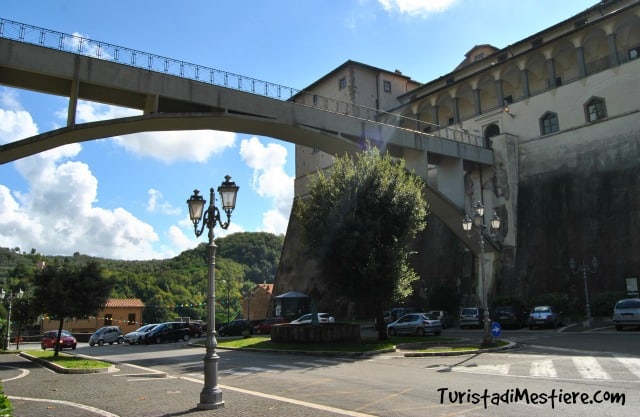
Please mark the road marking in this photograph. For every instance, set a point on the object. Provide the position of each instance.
(314, 406)
(308, 364)
(632, 364)
(485, 369)
(543, 368)
(589, 368)
(69, 403)
(278, 365)
(256, 369)
(23, 373)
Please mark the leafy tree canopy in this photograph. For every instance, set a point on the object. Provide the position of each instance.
(359, 220)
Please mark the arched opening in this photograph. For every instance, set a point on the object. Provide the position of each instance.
(489, 132)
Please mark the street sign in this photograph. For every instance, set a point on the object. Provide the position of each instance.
(496, 329)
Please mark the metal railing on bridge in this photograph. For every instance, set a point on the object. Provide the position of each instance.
(77, 44)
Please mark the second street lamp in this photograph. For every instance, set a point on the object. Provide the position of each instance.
(19, 294)
(211, 395)
(478, 223)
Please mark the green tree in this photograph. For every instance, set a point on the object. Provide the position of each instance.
(71, 291)
(360, 220)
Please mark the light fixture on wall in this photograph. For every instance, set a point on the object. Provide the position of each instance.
(507, 110)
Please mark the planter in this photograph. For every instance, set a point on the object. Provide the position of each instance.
(319, 333)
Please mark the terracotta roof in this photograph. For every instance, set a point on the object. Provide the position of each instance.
(124, 302)
(268, 288)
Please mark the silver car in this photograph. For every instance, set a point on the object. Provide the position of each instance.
(107, 334)
(137, 336)
(414, 323)
(626, 313)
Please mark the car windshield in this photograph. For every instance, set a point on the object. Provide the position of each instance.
(469, 311)
(53, 334)
(146, 328)
(627, 304)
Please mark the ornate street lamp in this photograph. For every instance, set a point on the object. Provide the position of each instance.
(584, 268)
(478, 222)
(3, 293)
(211, 395)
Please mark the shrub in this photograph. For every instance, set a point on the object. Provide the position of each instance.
(5, 404)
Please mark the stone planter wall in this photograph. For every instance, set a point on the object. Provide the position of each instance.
(320, 333)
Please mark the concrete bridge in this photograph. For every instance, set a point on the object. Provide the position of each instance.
(176, 95)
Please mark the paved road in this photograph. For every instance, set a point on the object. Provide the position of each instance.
(276, 384)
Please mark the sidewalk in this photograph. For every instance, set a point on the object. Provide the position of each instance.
(35, 391)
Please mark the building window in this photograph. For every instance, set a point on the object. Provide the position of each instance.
(387, 86)
(549, 123)
(342, 83)
(108, 319)
(315, 100)
(132, 318)
(595, 109)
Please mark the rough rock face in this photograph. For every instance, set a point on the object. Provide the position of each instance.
(577, 197)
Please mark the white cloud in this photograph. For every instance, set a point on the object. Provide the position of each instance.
(168, 147)
(416, 7)
(16, 125)
(270, 181)
(156, 203)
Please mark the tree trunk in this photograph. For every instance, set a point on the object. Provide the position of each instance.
(381, 326)
(56, 348)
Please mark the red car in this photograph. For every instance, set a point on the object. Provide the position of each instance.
(264, 327)
(67, 341)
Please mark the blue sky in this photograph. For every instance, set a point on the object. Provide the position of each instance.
(124, 198)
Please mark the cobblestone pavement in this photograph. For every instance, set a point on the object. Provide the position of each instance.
(36, 391)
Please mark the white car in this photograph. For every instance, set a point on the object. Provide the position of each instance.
(322, 318)
(414, 323)
(136, 336)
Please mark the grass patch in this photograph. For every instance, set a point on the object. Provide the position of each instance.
(366, 345)
(67, 361)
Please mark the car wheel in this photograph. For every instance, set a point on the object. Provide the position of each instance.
(120, 340)
(419, 331)
(185, 337)
(618, 328)
(45, 348)
(392, 332)
(73, 347)
(437, 332)
(100, 342)
(530, 327)
(92, 344)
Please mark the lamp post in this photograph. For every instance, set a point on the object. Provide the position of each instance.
(584, 268)
(211, 395)
(478, 223)
(228, 300)
(19, 294)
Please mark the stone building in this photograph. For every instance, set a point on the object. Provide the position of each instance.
(561, 111)
(123, 312)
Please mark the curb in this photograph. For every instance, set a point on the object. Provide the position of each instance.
(63, 370)
(511, 345)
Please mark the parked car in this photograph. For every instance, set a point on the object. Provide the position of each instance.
(398, 312)
(264, 327)
(137, 335)
(173, 331)
(195, 329)
(544, 316)
(626, 313)
(306, 319)
(471, 317)
(414, 323)
(445, 318)
(235, 328)
(107, 334)
(510, 316)
(67, 341)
